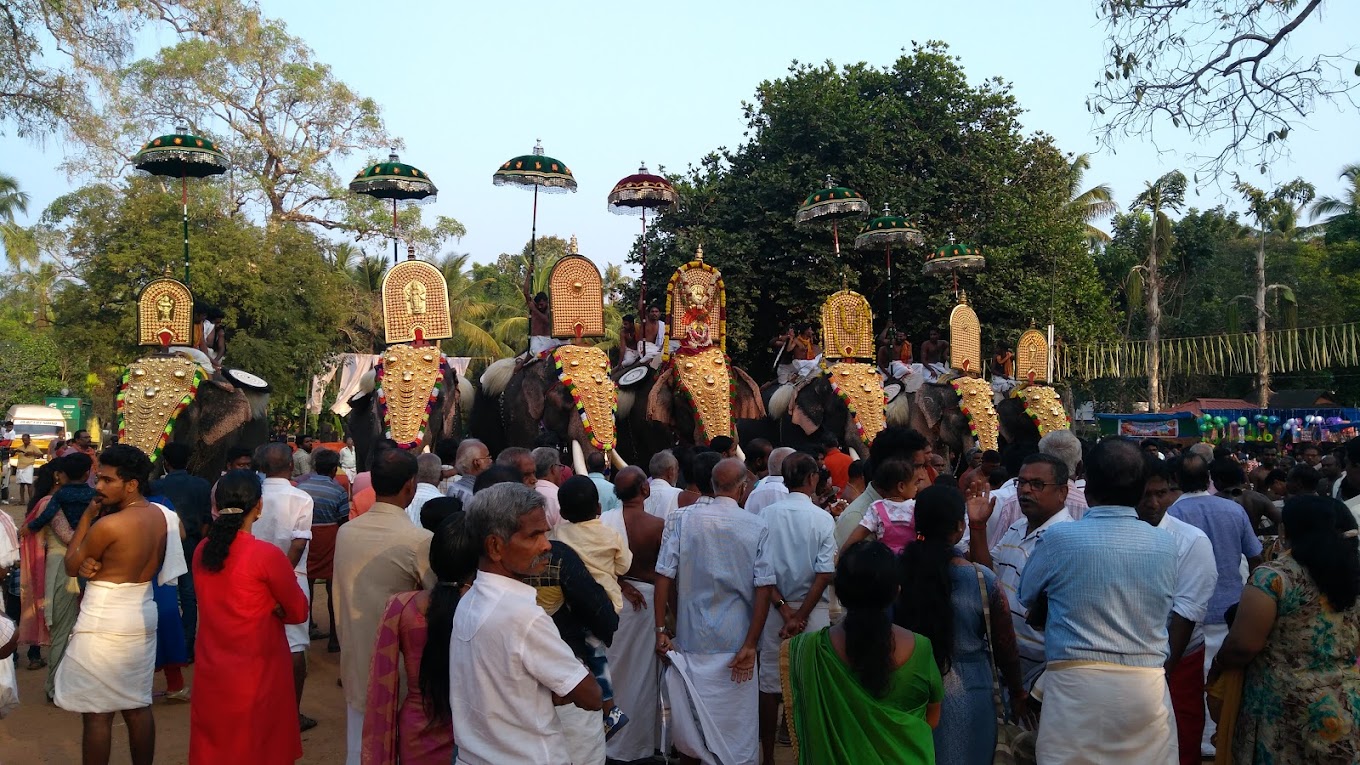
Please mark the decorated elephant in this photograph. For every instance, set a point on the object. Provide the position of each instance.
(516, 403)
(366, 424)
(802, 413)
(1028, 412)
(229, 410)
(651, 417)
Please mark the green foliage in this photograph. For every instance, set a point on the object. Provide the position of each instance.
(29, 366)
(917, 136)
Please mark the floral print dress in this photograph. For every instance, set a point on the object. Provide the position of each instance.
(1301, 694)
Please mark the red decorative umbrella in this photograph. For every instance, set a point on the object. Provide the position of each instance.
(638, 193)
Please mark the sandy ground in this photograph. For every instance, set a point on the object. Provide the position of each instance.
(38, 733)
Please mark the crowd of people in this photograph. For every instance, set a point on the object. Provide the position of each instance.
(1066, 601)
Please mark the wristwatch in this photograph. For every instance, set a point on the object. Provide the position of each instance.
(660, 630)
(780, 603)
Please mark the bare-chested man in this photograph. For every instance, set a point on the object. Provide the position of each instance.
(894, 352)
(108, 667)
(540, 321)
(630, 342)
(653, 335)
(935, 355)
(632, 660)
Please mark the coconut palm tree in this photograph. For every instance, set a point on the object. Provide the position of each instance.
(1165, 193)
(20, 248)
(468, 310)
(1092, 204)
(1335, 209)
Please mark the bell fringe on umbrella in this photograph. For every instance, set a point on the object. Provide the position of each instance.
(383, 187)
(874, 239)
(168, 155)
(634, 200)
(961, 263)
(832, 208)
(548, 183)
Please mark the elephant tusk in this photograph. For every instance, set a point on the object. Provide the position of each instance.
(616, 460)
(854, 455)
(740, 454)
(578, 458)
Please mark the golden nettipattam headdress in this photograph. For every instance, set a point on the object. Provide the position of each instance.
(409, 381)
(576, 294)
(415, 303)
(965, 339)
(165, 313)
(154, 391)
(847, 326)
(584, 370)
(696, 302)
(1031, 357)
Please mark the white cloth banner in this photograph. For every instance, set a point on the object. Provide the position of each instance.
(353, 366)
(318, 390)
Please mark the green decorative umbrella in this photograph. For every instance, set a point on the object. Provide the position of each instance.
(833, 203)
(395, 181)
(885, 231)
(536, 171)
(954, 259)
(181, 155)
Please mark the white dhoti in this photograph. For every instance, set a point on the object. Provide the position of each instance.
(1214, 635)
(784, 373)
(25, 475)
(770, 642)
(583, 731)
(651, 355)
(1106, 714)
(111, 659)
(541, 344)
(1002, 385)
(630, 357)
(633, 663)
(711, 717)
(931, 372)
(901, 369)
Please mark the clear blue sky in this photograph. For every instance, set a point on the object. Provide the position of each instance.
(608, 85)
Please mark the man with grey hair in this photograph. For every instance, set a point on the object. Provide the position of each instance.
(286, 522)
(428, 470)
(772, 489)
(718, 556)
(664, 470)
(547, 476)
(508, 663)
(472, 460)
(1062, 445)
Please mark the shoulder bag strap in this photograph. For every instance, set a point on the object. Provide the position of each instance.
(987, 621)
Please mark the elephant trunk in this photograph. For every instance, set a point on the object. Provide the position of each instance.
(578, 458)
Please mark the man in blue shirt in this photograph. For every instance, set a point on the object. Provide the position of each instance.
(595, 470)
(1102, 589)
(192, 502)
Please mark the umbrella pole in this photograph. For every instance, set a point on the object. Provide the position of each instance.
(887, 249)
(394, 231)
(184, 203)
(835, 239)
(642, 290)
(533, 238)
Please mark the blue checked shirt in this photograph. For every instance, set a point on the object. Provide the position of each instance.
(1110, 579)
(330, 503)
(718, 554)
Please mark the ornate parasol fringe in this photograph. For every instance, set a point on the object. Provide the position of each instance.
(832, 208)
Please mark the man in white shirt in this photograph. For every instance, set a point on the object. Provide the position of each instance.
(664, 469)
(286, 522)
(1042, 486)
(1196, 577)
(428, 469)
(772, 489)
(348, 458)
(802, 549)
(508, 665)
(547, 477)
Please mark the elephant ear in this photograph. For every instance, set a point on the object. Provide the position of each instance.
(224, 407)
(661, 399)
(928, 399)
(748, 403)
(534, 387)
(450, 400)
(807, 408)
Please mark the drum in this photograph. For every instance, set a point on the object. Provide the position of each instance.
(891, 391)
(246, 380)
(634, 376)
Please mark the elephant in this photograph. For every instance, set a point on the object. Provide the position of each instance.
(1014, 422)
(516, 403)
(365, 423)
(651, 418)
(802, 413)
(225, 413)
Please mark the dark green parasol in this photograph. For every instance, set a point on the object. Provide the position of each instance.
(396, 181)
(536, 171)
(182, 155)
(954, 259)
(885, 231)
(833, 203)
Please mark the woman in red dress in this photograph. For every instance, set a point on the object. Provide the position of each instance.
(243, 709)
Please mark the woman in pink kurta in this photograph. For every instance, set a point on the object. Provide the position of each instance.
(243, 710)
(415, 730)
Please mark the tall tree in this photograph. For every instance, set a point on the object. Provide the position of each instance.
(1271, 211)
(1221, 70)
(1341, 213)
(1165, 193)
(1089, 204)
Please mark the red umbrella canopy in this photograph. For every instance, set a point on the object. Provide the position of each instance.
(640, 192)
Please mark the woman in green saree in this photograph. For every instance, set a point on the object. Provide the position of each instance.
(864, 691)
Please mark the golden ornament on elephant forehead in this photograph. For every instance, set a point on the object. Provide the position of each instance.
(965, 339)
(165, 313)
(406, 387)
(584, 370)
(576, 295)
(696, 304)
(154, 391)
(415, 303)
(1044, 406)
(706, 380)
(975, 400)
(860, 386)
(847, 326)
(1031, 357)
